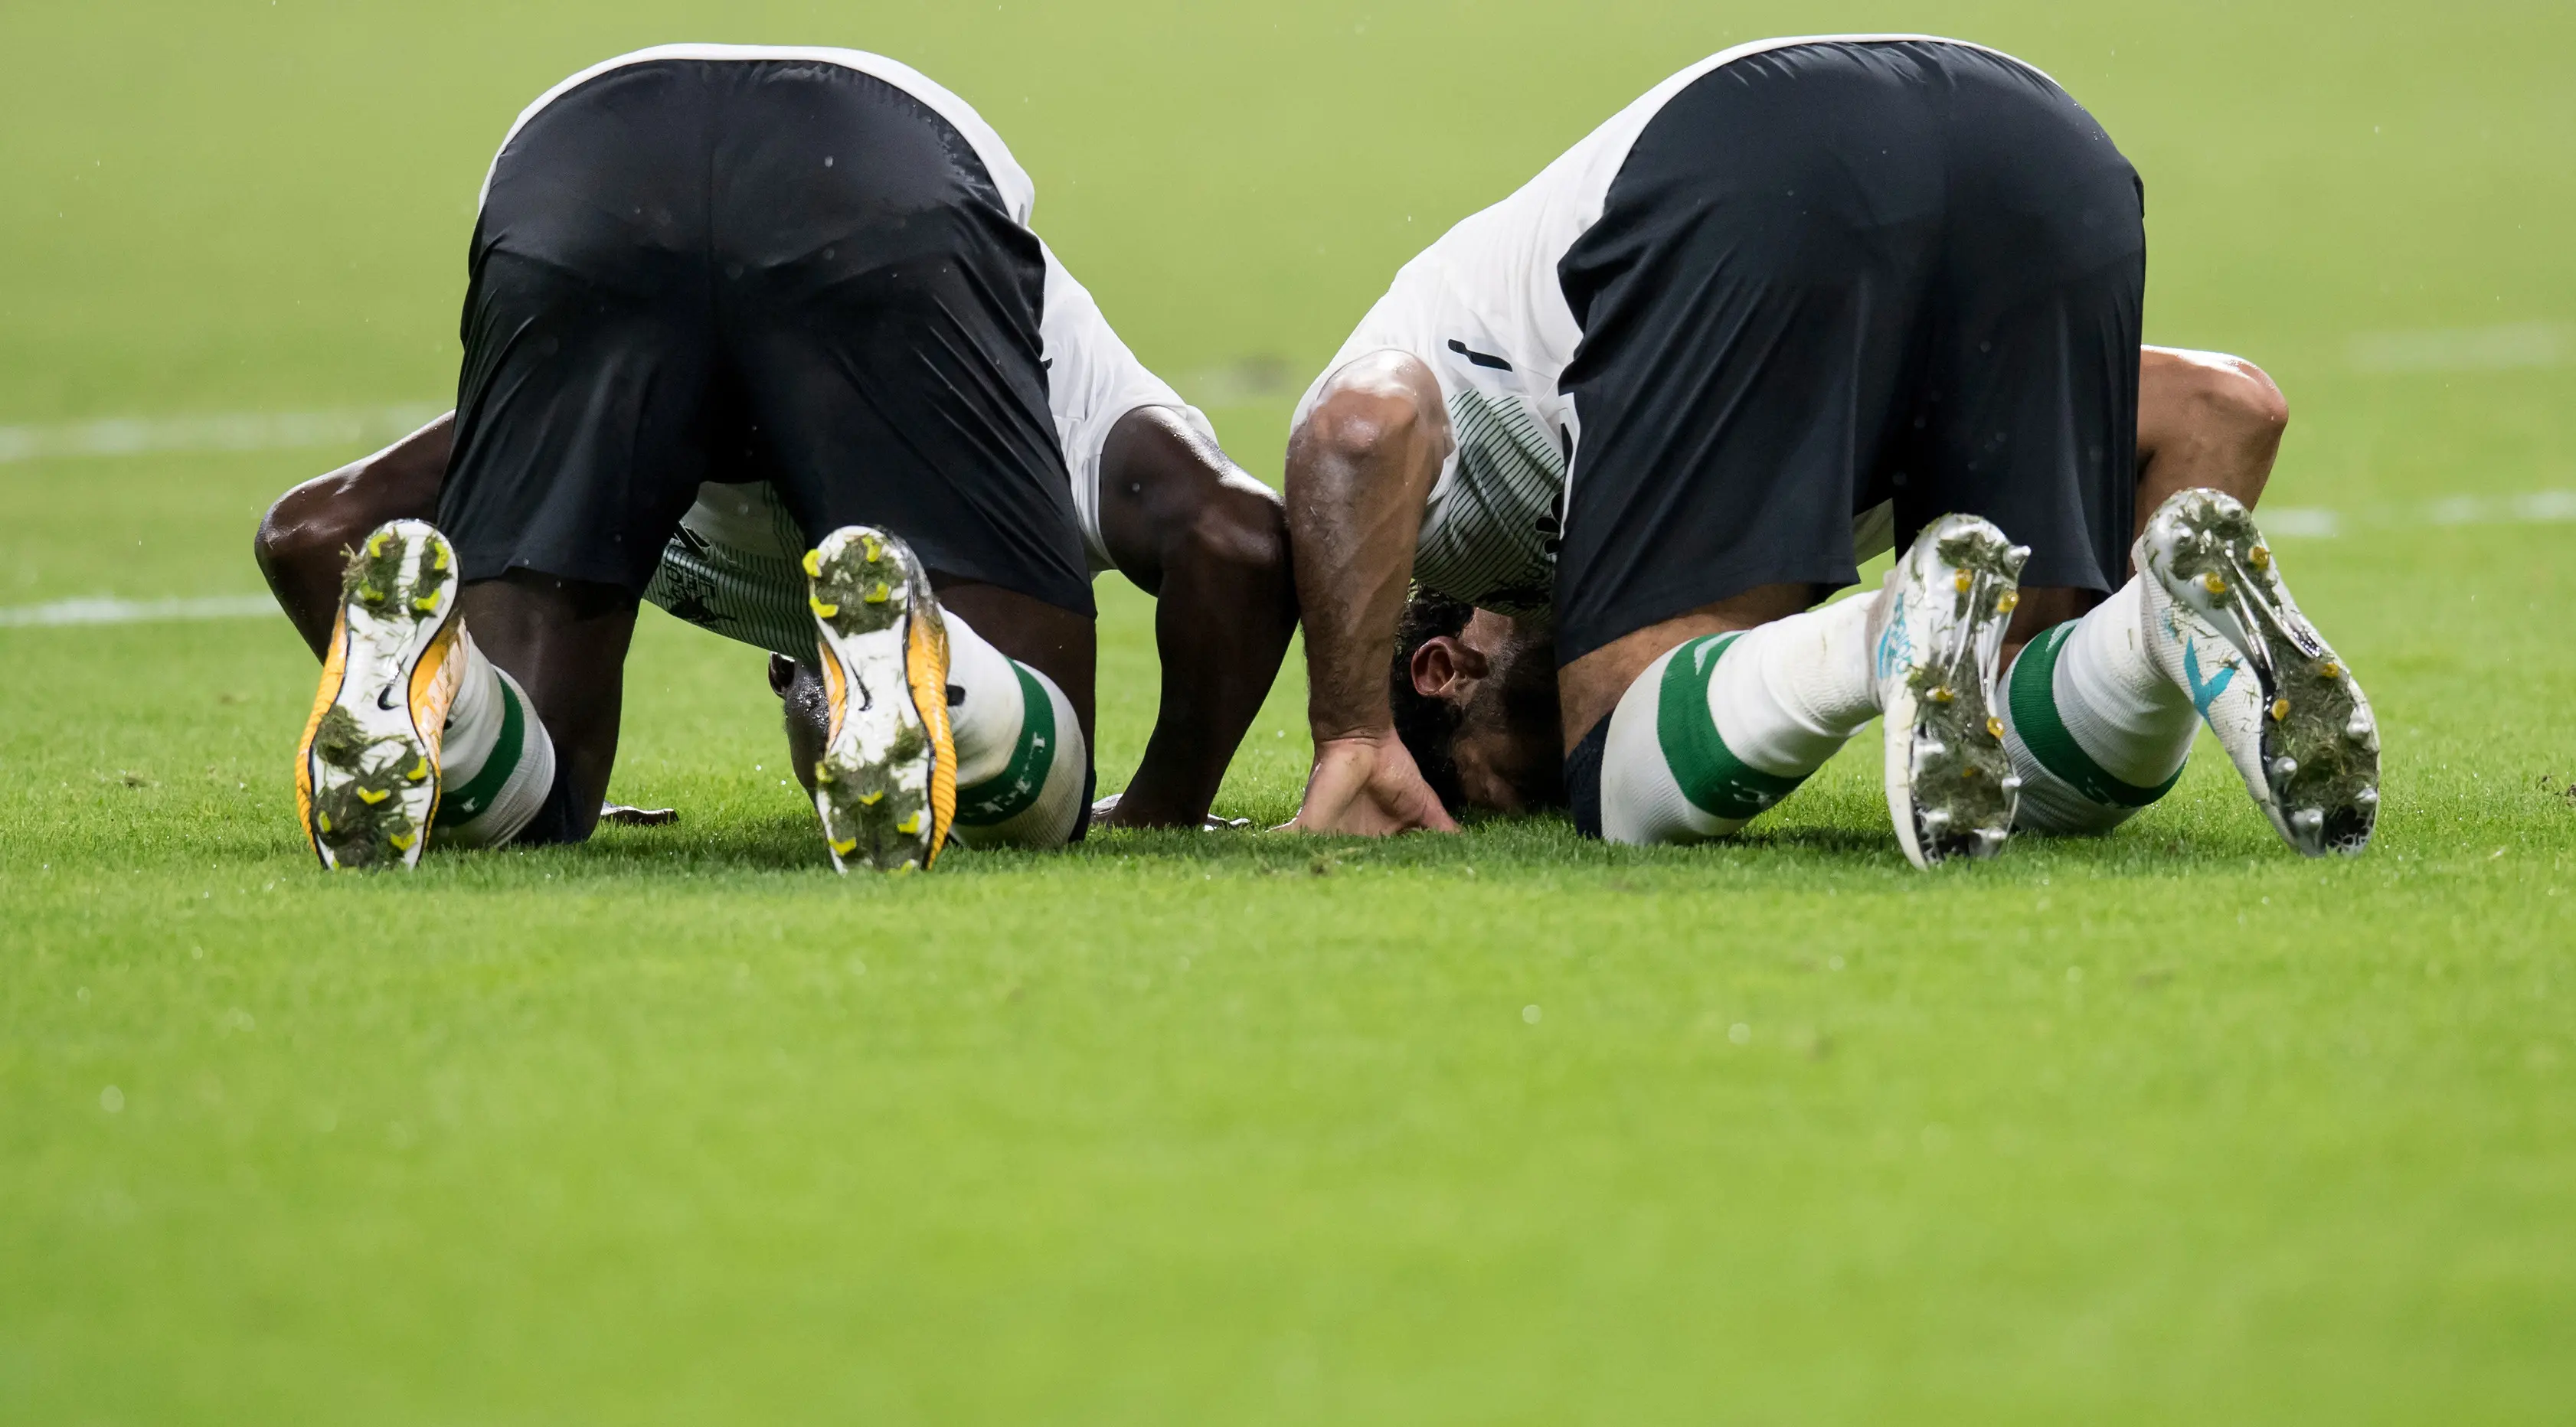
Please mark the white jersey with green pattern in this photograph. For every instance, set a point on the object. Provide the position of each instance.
(732, 569)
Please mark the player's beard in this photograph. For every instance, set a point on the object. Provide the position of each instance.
(1517, 699)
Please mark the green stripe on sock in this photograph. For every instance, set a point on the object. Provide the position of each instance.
(2034, 709)
(1716, 781)
(1009, 793)
(461, 805)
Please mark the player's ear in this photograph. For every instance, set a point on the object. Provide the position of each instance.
(1443, 668)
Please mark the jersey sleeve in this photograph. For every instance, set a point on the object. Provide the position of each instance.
(1092, 381)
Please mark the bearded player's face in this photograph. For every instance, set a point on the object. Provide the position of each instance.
(1508, 749)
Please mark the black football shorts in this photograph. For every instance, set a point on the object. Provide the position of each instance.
(1836, 274)
(753, 269)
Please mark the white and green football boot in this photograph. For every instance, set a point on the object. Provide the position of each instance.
(2221, 624)
(1938, 637)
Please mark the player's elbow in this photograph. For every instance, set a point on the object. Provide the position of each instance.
(1237, 535)
(1374, 409)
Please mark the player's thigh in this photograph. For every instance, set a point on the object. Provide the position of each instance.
(1055, 641)
(589, 398)
(1750, 303)
(899, 398)
(565, 641)
(2029, 408)
(881, 316)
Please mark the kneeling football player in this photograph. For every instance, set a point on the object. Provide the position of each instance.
(674, 383)
(2099, 712)
(1640, 407)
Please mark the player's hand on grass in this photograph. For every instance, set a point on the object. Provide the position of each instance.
(1368, 785)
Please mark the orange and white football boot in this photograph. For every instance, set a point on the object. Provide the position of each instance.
(886, 785)
(366, 773)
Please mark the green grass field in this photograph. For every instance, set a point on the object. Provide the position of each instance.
(678, 1126)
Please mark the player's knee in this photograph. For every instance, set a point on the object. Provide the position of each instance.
(2244, 405)
(309, 525)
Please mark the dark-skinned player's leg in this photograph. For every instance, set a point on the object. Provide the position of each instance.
(417, 731)
(1211, 545)
(1053, 641)
(588, 405)
(306, 539)
(304, 542)
(565, 642)
(883, 322)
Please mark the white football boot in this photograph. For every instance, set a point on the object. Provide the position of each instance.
(1939, 635)
(886, 785)
(366, 773)
(2221, 624)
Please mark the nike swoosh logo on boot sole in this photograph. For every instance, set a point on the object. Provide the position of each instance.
(2204, 692)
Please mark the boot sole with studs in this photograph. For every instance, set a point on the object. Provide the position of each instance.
(366, 771)
(2319, 740)
(886, 785)
(1950, 786)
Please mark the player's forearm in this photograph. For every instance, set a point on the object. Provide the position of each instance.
(1357, 480)
(1211, 545)
(1221, 628)
(303, 541)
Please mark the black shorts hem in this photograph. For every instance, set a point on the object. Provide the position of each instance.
(1583, 778)
(1642, 608)
(477, 565)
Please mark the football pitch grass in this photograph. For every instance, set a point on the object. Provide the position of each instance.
(678, 1126)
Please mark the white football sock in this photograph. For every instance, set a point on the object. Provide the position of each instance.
(1723, 727)
(495, 762)
(2096, 730)
(1021, 760)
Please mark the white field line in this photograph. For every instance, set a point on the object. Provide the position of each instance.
(239, 431)
(2464, 349)
(105, 610)
(2310, 522)
(2283, 521)
(2297, 521)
